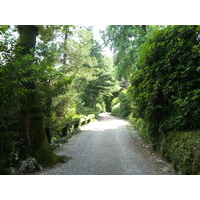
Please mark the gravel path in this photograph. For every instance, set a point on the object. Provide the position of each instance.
(109, 146)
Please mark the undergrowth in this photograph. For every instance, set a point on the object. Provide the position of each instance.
(181, 148)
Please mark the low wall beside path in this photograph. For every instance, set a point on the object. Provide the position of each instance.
(61, 133)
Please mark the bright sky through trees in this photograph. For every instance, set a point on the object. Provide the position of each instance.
(97, 36)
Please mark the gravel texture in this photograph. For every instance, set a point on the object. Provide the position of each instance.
(109, 146)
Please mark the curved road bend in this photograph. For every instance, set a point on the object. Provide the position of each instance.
(109, 146)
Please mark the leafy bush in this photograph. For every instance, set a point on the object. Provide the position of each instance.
(125, 103)
(86, 111)
(115, 101)
(142, 127)
(116, 110)
(165, 86)
(13, 146)
(121, 105)
(101, 107)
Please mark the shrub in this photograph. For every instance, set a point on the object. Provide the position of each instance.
(115, 101)
(142, 128)
(116, 110)
(86, 111)
(101, 107)
(165, 86)
(125, 103)
(121, 105)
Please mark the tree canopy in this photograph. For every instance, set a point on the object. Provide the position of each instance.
(124, 40)
(165, 87)
(163, 93)
(53, 74)
(45, 73)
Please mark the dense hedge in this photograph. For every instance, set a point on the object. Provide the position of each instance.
(122, 104)
(166, 87)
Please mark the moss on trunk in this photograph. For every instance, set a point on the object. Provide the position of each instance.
(35, 131)
(32, 110)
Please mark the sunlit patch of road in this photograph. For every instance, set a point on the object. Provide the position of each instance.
(107, 147)
(106, 122)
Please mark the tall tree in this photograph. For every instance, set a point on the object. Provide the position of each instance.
(79, 63)
(31, 107)
(125, 40)
(105, 83)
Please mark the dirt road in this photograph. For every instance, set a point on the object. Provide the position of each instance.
(109, 146)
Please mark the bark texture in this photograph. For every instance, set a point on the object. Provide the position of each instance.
(31, 109)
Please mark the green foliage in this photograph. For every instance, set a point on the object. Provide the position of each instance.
(125, 40)
(77, 49)
(82, 109)
(125, 103)
(165, 86)
(116, 110)
(13, 146)
(183, 150)
(122, 104)
(48, 33)
(3, 29)
(73, 127)
(19, 72)
(27, 71)
(105, 83)
(60, 87)
(114, 101)
(142, 127)
(101, 107)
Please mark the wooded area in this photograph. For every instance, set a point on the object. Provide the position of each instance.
(52, 75)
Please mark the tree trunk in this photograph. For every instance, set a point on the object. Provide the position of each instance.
(94, 103)
(65, 49)
(144, 27)
(31, 108)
